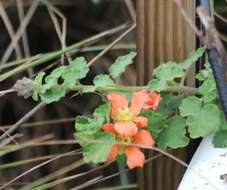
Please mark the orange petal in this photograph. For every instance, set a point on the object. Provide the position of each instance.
(109, 127)
(144, 138)
(140, 121)
(117, 101)
(138, 101)
(153, 101)
(114, 152)
(126, 128)
(135, 158)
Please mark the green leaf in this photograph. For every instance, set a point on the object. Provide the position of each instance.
(201, 120)
(205, 122)
(53, 95)
(98, 152)
(190, 106)
(85, 124)
(157, 85)
(156, 122)
(205, 73)
(193, 57)
(168, 71)
(220, 139)
(169, 104)
(119, 66)
(103, 80)
(76, 70)
(208, 90)
(84, 137)
(165, 75)
(173, 136)
(52, 79)
(102, 114)
(38, 83)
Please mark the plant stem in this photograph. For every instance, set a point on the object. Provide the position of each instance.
(53, 55)
(124, 89)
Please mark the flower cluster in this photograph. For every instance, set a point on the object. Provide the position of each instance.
(129, 127)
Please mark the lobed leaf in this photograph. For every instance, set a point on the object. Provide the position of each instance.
(98, 152)
(38, 84)
(119, 66)
(208, 90)
(173, 136)
(102, 80)
(76, 70)
(193, 57)
(201, 120)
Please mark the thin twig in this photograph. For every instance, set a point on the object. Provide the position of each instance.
(61, 31)
(22, 120)
(11, 138)
(88, 183)
(48, 143)
(220, 17)
(36, 167)
(73, 48)
(20, 31)
(43, 123)
(131, 9)
(125, 170)
(110, 46)
(4, 92)
(10, 29)
(20, 8)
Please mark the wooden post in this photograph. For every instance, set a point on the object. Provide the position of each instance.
(162, 35)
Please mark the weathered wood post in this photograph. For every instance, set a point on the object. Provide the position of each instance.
(162, 35)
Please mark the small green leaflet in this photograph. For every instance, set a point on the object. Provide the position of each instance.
(165, 75)
(119, 66)
(173, 136)
(208, 90)
(98, 150)
(52, 90)
(157, 85)
(53, 95)
(205, 73)
(201, 120)
(38, 83)
(102, 80)
(220, 139)
(76, 70)
(168, 71)
(102, 114)
(85, 124)
(192, 58)
(52, 79)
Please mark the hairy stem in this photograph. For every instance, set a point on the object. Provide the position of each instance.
(117, 88)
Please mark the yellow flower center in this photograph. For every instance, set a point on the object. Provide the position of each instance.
(125, 139)
(123, 114)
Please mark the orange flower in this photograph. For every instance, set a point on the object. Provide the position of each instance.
(127, 118)
(135, 157)
(128, 127)
(152, 101)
